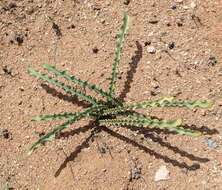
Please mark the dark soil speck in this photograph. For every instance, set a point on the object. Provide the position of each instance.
(95, 50)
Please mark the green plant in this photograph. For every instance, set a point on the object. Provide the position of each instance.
(5, 187)
(112, 112)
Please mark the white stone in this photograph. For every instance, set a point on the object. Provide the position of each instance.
(178, 1)
(151, 49)
(193, 5)
(162, 174)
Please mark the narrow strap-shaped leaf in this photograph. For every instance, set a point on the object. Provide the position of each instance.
(186, 131)
(78, 81)
(188, 104)
(132, 115)
(143, 122)
(54, 116)
(51, 135)
(151, 103)
(171, 126)
(119, 46)
(65, 87)
(163, 102)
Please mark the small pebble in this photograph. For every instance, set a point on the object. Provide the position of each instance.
(195, 63)
(212, 61)
(56, 29)
(102, 149)
(151, 50)
(173, 7)
(162, 174)
(104, 170)
(167, 22)
(175, 92)
(12, 5)
(5, 133)
(147, 43)
(211, 143)
(21, 88)
(126, 2)
(103, 21)
(27, 137)
(72, 26)
(7, 71)
(136, 173)
(179, 23)
(193, 5)
(95, 50)
(18, 38)
(186, 7)
(154, 92)
(153, 20)
(170, 45)
(178, 1)
(155, 84)
(162, 34)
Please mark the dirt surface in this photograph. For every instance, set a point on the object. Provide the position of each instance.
(79, 37)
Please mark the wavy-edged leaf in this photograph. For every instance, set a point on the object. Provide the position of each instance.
(51, 135)
(56, 116)
(53, 116)
(119, 46)
(132, 115)
(186, 132)
(151, 103)
(142, 122)
(163, 102)
(169, 125)
(78, 81)
(189, 104)
(65, 87)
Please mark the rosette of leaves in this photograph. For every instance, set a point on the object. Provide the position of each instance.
(112, 112)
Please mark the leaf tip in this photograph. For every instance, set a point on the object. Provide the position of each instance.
(29, 152)
(208, 104)
(35, 118)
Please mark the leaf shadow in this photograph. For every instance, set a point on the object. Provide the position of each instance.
(133, 65)
(165, 158)
(148, 133)
(67, 98)
(203, 129)
(78, 149)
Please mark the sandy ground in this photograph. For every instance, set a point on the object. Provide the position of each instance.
(65, 33)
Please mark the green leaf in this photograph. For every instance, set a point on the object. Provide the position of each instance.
(51, 135)
(53, 116)
(65, 87)
(152, 103)
(186, 132)
(5, 187)
(189, 104)
(132, 115)
(58, 73)
(142, 122)
(169, 125)
(163, 102)
(119, 46)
